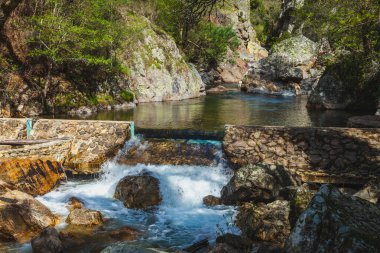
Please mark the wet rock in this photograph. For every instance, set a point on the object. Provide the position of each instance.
(265, 247)
(75, 203)
(259, 183)
(129, 249)
(94, 239)
(235, 241)
(268, 222)
(370, 192)
(203, 244)
(335, 222)
(22, 217)
(369, 121)
(84, 217)
(211, 201)
(35, 177)
(223, 248)
(170, 153)
(138, 192)
(47, 242)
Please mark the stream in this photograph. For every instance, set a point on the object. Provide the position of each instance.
(179, 221)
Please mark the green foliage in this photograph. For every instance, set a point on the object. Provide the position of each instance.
(349, 25)
(128, 96)
(264, 15)
(102, 99)
(209, 45)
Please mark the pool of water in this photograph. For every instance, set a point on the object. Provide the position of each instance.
(213, 111)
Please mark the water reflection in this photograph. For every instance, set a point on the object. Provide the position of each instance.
(214, 111)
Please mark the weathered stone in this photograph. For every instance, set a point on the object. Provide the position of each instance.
(335, 222)
(84, 217)
(22, 217)
(198, 246)
(268, 222)
(211, 201)
(138, 192)
(47, 242)
(157, 70)
(370, 192)
(235, 241)
(35, 177)
(223, 248)
(369, 121)
(129, 249)
(300, 201)
(260, 183)
(75, 203)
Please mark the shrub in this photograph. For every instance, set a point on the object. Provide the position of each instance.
(128, 96)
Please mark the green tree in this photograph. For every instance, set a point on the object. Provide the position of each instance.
(73, 32)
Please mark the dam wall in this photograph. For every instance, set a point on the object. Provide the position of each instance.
(320, 155)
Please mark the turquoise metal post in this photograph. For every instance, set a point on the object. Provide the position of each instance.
(29, 127)
(132, 129)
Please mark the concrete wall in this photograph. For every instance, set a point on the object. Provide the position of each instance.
(324, 155)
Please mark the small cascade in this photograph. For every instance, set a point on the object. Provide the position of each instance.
(181, 219)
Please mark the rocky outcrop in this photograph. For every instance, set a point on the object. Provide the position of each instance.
(259, 183)
(286, 22)
(237, 15)
(35, 177)
(211, 201)
(290, 67)
(22, 217)
(156, 69)
(335, 222)
(138, 192)
(268, 222)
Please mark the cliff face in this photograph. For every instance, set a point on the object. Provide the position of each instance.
(237, 15)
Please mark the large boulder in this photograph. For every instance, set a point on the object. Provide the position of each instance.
(35, 177)
(84, 217)
(335, 222)
(268, 222)
(22, 217)
(155, 68)
(291, 59)
(138, 192)
(259, 183)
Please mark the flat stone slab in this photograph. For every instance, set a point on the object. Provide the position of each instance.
(29, 142)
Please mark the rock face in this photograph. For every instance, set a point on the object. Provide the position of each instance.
(259, 183)
(286, 20)
(47, 242)
(156, 68)
(22, 217)
(138, 192)
(35, 177)
(289, 67)
(265, 222)
(335, 222)
(237, 15)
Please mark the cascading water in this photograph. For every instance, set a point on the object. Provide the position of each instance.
(180, 220)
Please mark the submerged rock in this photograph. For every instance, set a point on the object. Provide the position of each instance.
(22, 217)
(47, 242)
(35, 177)
(124, 248)
(138, 192)
(260, 183)
(198, 246)
(335, 222)
(268, 222)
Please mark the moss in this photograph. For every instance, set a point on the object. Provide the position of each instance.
(128, 96)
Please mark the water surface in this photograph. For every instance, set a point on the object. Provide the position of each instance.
(213, 111)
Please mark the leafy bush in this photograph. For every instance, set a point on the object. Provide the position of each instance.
(128, 96)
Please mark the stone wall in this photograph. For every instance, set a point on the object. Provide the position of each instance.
(12, 129)
(322, 155)
(93, 142)
(89, 144)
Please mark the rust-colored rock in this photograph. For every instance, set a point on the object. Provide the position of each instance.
(35, 177)
(22, 217)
